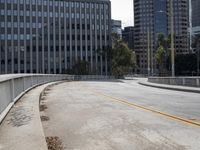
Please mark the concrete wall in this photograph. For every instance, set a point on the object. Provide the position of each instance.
(92, 77)
(12, 87)
(184, 81)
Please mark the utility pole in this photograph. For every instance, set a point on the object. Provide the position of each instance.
(190, 22)
(149, 64)
(152, 56)
(172, 38)
(198, 59)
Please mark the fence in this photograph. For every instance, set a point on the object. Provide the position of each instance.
(184, 81)
(92, 77)
(12, 87)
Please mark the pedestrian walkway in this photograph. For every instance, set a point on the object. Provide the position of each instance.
(22, 128)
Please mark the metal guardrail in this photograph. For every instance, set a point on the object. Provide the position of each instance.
(13, 86)
(183, 81)
(92, 77)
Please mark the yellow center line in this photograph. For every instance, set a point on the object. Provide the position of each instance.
(133, 105)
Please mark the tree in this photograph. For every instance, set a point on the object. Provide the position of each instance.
(119, 57)
(162, 54)
(186, 64)
(81, 67)
(123, 59)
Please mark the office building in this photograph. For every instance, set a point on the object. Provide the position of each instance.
(181, 24)
(152, 17)
(144, 24)
(50, 36)
(117, 27)
(194, 11)
(128, 36)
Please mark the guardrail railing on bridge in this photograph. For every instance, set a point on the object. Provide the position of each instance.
(92, 77)
(183, 81)
(13, 86)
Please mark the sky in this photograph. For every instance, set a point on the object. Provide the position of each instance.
(123, 10)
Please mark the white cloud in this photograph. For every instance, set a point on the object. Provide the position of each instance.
(123, 10)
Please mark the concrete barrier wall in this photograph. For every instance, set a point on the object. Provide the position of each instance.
(12, 87)
(92, 77)
(183, 81)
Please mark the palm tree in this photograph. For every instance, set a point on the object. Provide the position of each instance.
(162, 53)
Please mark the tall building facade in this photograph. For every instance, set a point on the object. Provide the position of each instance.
(152, 17)
(117, 27)
(160, 16)
(50, 36)
(143, 24)
(194, 11)
(181, 24)
(128, 36)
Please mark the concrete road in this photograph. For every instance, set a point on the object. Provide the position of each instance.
(122, 116)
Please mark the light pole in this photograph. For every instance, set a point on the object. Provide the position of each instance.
(172, 37)
(148, 41)
(198, 51)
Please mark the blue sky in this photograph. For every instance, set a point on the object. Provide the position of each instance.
(123, 10)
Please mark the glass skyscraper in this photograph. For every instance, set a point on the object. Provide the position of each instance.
(194, 19)
(160, 21)
(50, 36)
(151, 17)
(195, 13)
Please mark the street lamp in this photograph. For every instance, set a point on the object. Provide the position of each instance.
(198, 52)
(148, 42)
(171, 15)
(172, 37)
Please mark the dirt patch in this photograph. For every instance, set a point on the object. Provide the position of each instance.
(46, 92)
(43, 107)
(43, 98)
(44, 118)
(19, 116)
(54, 143)
(47, 89)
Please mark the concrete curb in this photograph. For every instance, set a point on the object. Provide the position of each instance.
(9, 107)
(40, 97)
(170, 87)
(31, 134)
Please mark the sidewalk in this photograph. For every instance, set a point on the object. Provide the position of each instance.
(22, 128)
(171, 87)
